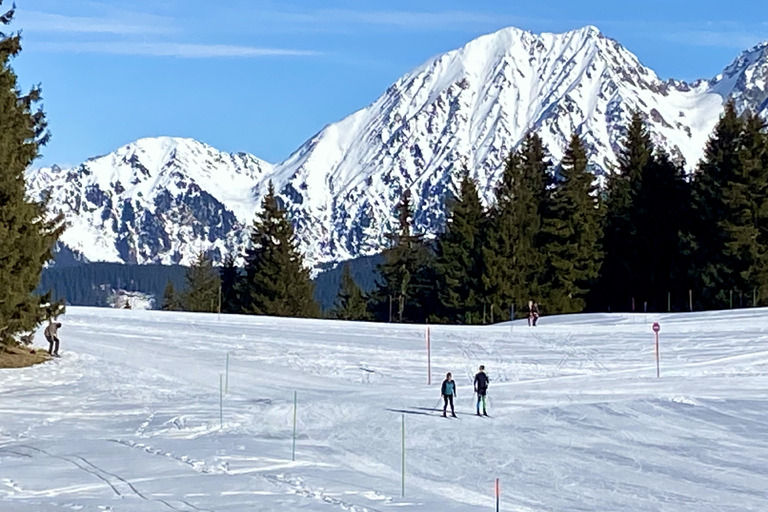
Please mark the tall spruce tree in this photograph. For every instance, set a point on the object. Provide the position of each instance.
(202, 291)
(572, 234)
(230, 275)
(530, 207)
(459, 257)
(660, 219)
(275, 281)
(745, 223)
(402, 280)
(350, 303)
(618, 279)
(713, 267)
(755, 162)
(498, 249)
(27, 232)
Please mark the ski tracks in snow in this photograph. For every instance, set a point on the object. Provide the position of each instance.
(119, 485)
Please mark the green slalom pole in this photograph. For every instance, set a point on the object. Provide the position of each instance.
(295, 399)
(402, 467)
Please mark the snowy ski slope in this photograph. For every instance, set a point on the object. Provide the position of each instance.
(128, 418)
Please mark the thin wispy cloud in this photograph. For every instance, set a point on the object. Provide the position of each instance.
(169, 49)
(738, 40)
(713, 34)
(344, 19)
(127, 23)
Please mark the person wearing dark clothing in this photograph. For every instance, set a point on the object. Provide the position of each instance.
(448, 390)
(481, 388)
(52, 335)
(533, 313)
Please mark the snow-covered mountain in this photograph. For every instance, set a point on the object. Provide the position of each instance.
(161, 200)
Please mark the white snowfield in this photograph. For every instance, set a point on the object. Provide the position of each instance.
(128, 418)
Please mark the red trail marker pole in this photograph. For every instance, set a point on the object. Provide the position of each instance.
(656, 329)
(498, 494)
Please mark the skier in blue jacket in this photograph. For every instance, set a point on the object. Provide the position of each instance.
(448, 389)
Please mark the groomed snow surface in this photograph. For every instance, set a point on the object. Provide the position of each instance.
(128, 418)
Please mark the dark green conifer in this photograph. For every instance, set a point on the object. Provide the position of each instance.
(202, 280)
(713, 271)
(275, 281)
(170, 298)
(660, 220)
(401, 282)
(27, 233)
(618, 278)
(459, 256)
(530, 207)
(230, 276)
(498, 249)
(572, 234)
(350, 303)
(745, 225)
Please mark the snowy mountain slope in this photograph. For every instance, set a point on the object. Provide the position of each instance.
(468, 107)
(157, 200)
(579, 419)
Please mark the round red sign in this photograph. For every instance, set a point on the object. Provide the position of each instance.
(656, 327)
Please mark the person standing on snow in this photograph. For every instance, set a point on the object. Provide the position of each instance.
(481, 388)
(448, 389)
(533, 313)
(52, 335)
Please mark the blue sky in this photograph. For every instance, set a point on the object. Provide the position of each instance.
(262, 76)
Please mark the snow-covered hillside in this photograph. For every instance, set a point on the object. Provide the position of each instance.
(128, 417)
(468, 107)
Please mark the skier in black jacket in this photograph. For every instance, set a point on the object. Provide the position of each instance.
(448, 390)
(481, 388)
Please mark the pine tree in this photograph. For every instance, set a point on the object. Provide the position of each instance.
(572, 234)
(350, 303)
(530, 207)
(745, 223)
(498, 249)
(275, 281)
(459, 256)
(756, 163)
(230, 275)
(618, 279)
(660, 219)
(27, 232)
(170, 298)
(202, 292)
(402, 276)
(717, 170)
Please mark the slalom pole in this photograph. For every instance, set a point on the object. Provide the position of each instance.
(402, 467)
(429, 359)
(226, 381)
(498, 495)
(657, 356)
(293, 451)
(221, 401)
